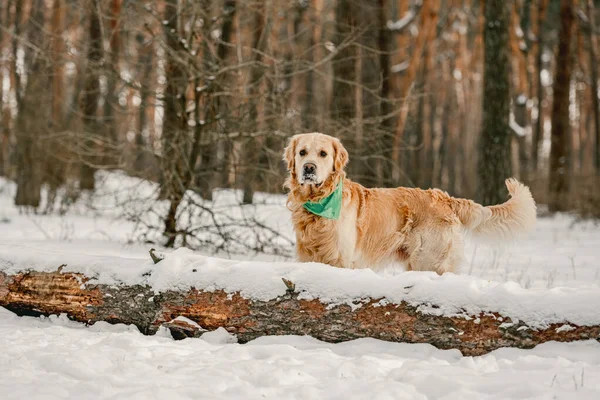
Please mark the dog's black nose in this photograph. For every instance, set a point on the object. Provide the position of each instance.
(309, 168)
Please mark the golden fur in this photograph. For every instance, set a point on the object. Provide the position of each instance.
(421, 228)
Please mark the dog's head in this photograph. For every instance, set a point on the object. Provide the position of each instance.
(315, 163)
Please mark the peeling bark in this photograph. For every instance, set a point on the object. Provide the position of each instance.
(45, 293)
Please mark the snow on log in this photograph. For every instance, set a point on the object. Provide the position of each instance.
(192, 294)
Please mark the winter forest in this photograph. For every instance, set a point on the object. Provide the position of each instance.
(145, 227)
(198, 95)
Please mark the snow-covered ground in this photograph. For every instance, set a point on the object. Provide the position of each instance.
(53, 358)
(56, 359)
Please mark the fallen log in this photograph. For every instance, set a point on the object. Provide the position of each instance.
(189, 313)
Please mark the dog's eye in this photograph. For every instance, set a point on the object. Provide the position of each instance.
(302, 153)
(323, 154)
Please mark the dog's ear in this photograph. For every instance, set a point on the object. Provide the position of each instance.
(340, 159)
(290, 152)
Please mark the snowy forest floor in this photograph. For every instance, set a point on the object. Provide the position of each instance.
(54, 358)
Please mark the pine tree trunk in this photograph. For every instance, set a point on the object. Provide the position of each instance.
(560, 146)
(91, 97)
(427, 27)
(494, 164)
(521, 86)
(358, 73)
(175, 125)
(111, 103)
(223, 54)
(342, 107)
(4, 19)
(254, 145)
(32, 112)
(593, 55)
(54, 157)
(316, 107)
(538, 130)
(145, 61)
(384, 47)
(215, 106)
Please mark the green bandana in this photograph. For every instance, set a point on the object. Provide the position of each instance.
(329, 207)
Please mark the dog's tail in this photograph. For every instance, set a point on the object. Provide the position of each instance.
(503, 222)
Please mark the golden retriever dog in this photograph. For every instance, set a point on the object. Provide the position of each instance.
(343, 224)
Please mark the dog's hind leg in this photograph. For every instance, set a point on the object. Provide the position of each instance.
(455, 255)
(439, 251)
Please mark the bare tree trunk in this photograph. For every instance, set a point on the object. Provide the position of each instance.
(520, 110)
(223, 53)
(384, 47)
(175, 127)
(443, 110)
(427, 26)
(58, 49)
(520, 85)
(145, 62)
(54, 157)
(32, 112)
(91, 98)
(296, 38)
(451, 134)
(357, 84)
(560, 147)
(111, 103)
(372, 90)
(343, 109)
(216, 107)
(414, 134)
(205, 120)
(253, 149)
(4, 131)
(538, 130)
(494, 164)
(316, 100)
(429, 117)
(593, 54)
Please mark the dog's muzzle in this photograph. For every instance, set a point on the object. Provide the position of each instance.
(308, 174)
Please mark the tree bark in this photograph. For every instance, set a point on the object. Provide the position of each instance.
(521, 90)
(91, 97)
(560, 146)
(32, 109)
(215, 106)
(254, 145)
(111, 102)
(494, 164)
(145, 62)
(54, 164)
(46, 293)
(4, 131)
(427, 31)
(538, 130)
(384, 46)
(316, 107)
(358, 85)
(175, 126)
(226, 47)
(593, 59)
